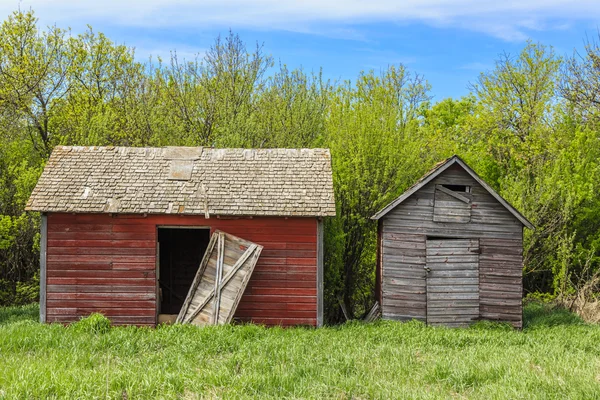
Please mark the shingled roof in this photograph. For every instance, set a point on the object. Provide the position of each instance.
(186, 180)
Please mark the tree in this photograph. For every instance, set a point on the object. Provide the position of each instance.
(33, 73)
(515, 104)
(372, 131)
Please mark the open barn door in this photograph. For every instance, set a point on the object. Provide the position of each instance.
(220, 281)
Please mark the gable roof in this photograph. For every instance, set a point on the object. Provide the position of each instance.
(437, 170)
(186, 180)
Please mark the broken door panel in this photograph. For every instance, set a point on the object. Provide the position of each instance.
(220, 281)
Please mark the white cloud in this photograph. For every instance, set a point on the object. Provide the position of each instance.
(508, 19)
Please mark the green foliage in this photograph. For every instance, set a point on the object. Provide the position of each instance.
(539, 297)
(555, 356)
(372, 131)
(95, 323)
(529, 128)
(29, 313)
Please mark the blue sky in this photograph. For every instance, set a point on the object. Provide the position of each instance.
(449, 42)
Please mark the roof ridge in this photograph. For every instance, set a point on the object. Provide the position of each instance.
(79, 147)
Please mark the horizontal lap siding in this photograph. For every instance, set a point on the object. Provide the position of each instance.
(405, 229)
(101, 263)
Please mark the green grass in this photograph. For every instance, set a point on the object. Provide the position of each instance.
(556, 356)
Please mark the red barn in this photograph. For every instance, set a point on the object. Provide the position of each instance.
(124, 229)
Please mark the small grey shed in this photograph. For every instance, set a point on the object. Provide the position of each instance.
(450, 251)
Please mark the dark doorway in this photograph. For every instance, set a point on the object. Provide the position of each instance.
(180, 253)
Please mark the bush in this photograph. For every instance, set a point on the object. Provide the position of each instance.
(96, 323)
(19, 293)
(538, 297)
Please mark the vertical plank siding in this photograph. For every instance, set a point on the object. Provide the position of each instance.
(104, 263)
(404, 232)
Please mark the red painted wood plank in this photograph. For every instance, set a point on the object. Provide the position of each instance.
(151, 282)
(273, 283)
(271, 261)
(269, 252)
(102, 236)
(100, 304)
(252, 229)
(285, 268)
(144, 251)
(275, 313)
(106, 274)
(282, 321)
(301, 261)
(280, 299)
(102, 243)
(108, 287)
(79, 265)
(125, 312)
(134, 266)
(79, 228)
(302, 307)
(102, 296)
(101, 258)
(279, 237)
(252, 305)
(279, 276)
(282, 291)
(116, 321)
(139, 228)
(311, 245)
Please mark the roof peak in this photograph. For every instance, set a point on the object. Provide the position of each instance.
(437, 170)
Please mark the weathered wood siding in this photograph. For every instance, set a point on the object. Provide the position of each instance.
(97, 262)
(405, 229)
(452, 281)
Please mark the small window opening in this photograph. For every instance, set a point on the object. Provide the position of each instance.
(458, 188)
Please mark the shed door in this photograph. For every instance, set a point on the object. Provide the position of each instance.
(452, 281)
(220, 281)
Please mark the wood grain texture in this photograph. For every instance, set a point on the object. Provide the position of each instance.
(220, 281)
(98, 256)
(403, 233)
(460, 305)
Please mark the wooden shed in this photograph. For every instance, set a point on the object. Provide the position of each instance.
(125, 229)
(450, 251)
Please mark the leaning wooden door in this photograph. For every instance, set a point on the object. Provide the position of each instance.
(452, 267)
(220, 281)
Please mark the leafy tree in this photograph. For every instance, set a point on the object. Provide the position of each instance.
(529, 127)
(372, 131)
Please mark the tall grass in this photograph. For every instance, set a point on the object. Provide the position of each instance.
(556, 356)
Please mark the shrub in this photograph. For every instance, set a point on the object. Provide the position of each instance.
(95, 323)
(538, 297)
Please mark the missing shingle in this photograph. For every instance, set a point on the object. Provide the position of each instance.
(86, 192)
(181, 170)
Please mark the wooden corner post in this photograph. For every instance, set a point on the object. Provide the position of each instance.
(320, 272)
(43, 252)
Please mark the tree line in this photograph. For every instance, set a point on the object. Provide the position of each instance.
(529, 127)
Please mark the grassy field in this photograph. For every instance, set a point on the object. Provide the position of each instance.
(556, 356)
